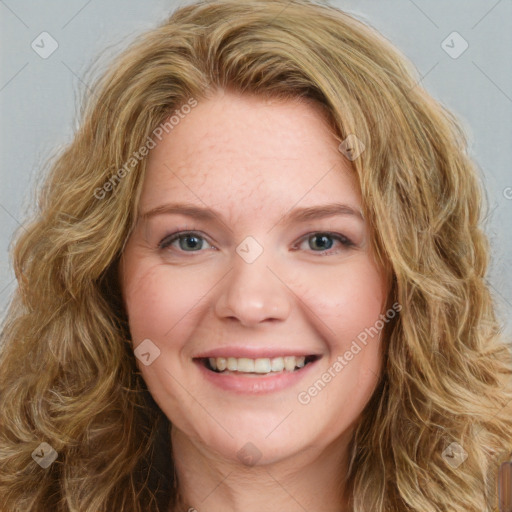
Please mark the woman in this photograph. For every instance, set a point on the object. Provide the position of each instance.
(261, 372)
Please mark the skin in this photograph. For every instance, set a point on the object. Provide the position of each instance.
(254, 160)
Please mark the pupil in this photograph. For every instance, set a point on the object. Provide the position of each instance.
(324, 238)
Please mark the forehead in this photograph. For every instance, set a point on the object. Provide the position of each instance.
(233, 150)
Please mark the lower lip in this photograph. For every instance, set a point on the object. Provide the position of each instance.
(252, 383)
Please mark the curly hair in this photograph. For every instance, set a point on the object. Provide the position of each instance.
(68, 373)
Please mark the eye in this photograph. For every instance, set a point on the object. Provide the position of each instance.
(324, 241)
(321, 242)
(189, 241)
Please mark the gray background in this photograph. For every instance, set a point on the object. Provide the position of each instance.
(39, 98)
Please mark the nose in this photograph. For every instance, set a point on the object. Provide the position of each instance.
(253, 293)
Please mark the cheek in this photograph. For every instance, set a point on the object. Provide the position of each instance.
(157, 299)
(350, 301)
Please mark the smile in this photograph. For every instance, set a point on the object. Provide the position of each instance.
(243, 375)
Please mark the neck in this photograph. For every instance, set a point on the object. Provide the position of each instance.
(310, 480)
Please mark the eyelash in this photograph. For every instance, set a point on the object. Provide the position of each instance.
(343, 240)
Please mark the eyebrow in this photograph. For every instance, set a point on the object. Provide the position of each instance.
(294, 215)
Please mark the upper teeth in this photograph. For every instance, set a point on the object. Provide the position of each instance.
(261, 365)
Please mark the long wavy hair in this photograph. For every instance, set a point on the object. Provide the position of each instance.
(68, 373)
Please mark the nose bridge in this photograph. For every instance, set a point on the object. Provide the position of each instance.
(252, 293)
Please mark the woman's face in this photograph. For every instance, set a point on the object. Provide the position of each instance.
(266, 273)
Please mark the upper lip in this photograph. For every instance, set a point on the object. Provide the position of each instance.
(254, 352)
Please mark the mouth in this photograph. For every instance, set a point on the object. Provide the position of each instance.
(255, 376)
(257, 367)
